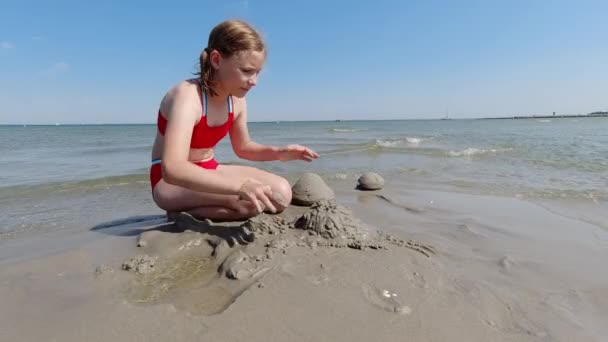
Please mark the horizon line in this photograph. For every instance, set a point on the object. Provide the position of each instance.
(590, 115)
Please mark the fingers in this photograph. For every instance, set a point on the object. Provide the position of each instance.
(264, 193)
(253, 199)
(299, 152)
(309, 155)
(258, 194)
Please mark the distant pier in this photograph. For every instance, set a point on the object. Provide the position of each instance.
(554, 116)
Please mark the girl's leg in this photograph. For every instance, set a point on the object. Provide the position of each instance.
(280, 186)
(222, 207)
(173, 198)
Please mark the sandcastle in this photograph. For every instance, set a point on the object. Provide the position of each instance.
(217, 262)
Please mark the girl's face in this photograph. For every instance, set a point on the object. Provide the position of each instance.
(238, 73)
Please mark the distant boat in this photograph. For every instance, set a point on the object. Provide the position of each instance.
(447, 115)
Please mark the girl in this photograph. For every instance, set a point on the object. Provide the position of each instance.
(196, 114)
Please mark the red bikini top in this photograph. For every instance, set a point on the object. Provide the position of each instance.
(204, 136)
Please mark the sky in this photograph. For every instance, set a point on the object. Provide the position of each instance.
(75, 62)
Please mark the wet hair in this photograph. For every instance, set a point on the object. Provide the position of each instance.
(228, 38)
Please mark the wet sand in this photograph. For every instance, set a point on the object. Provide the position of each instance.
(395, 264)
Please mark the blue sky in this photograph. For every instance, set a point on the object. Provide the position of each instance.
(112, 61)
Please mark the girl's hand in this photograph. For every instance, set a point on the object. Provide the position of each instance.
(297, 152)
(258, 194)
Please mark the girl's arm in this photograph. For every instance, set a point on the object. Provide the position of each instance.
(243, 146)
(246, 148)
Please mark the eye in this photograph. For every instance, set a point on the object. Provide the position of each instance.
(248, 71)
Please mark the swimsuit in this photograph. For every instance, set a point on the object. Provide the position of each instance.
(203, 136)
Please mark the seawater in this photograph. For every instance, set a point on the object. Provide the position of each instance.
(563, 158)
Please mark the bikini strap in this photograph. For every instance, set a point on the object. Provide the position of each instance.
(205, 101)
(230, 105)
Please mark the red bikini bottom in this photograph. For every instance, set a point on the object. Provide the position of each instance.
(156, 171)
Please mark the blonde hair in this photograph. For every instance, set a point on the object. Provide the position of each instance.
(228, 37)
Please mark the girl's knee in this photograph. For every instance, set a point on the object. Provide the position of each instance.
(161, 202)
(281, 194)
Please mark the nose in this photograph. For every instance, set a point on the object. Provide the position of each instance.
(252, 81)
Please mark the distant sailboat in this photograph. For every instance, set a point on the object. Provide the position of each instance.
(447, 115)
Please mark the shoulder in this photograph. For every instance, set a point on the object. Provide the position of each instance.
(185, 94)
(240, 106)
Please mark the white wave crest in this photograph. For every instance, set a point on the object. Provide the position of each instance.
(413, 141)
(472, 151)
(408, 141)
(346, 130)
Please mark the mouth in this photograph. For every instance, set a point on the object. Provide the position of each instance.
(245, 89)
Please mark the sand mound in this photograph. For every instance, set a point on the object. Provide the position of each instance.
(336, 225)
(309, 189)
(370, 181)
(329, 220)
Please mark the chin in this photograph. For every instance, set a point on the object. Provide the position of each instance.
(240, 93)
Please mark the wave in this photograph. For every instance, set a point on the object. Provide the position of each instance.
(396, 143)
(392, 145)
(115, 149)
(472, 151)
(347, 148)
(346, 130)
(139, 177)
(527, 191)
(401, 145)
(592, 195)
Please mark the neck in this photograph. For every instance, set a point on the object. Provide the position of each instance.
(221, 92)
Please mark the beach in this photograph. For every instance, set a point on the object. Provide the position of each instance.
(481, 233)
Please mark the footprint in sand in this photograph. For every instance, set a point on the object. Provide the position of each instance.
(385, 300)
(209, 300)
(418, 280)
(240, 266)
(319, 277)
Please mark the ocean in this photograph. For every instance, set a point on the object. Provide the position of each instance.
(50, 174)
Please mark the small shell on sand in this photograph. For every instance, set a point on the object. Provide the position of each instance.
(370, 181)
(384, 300)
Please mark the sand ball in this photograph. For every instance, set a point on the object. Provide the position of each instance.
(370, 181)
(309, 189)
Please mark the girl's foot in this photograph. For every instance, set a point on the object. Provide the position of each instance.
(171, 215)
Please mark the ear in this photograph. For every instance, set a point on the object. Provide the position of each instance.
(215, 58)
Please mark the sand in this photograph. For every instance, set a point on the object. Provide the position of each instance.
(389, 265)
